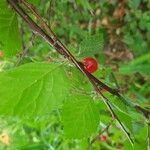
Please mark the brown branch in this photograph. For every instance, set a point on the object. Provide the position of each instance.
(145, 112)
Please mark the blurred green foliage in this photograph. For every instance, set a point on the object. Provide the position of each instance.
(117, 34)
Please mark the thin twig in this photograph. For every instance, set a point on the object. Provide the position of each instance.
(25, 50)
(98, 136)
(50, 9)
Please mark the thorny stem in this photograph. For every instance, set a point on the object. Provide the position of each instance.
(52, 39)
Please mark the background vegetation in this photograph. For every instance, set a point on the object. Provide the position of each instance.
(117, 34)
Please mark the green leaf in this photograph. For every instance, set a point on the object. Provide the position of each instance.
(142, 59)
(119, 104)
(35, 2)
(141, 141)
(9, 31)
(144, 69)
(35, 146)
(92, 45)
(125, 119)
(140, 64)
(32, 89)
(134, 4)
(79, 82)
(80, 116)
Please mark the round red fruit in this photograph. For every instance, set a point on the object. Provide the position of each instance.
(1, 54)
(104, 138)
(90, 64)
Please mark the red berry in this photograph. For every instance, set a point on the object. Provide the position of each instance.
(90, 64)
(49, 59)
(1, 54)
(148, 103)
(104, 138)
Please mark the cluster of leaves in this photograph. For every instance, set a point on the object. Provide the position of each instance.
(52, 105)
